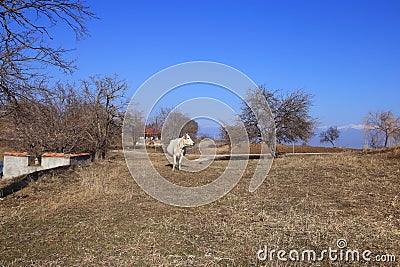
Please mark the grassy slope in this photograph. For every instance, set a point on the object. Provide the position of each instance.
(97, 215)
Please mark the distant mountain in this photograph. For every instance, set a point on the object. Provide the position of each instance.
(351, 136)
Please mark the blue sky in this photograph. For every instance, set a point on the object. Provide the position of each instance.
(346, 53)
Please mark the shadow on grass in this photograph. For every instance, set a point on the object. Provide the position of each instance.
(23, 181)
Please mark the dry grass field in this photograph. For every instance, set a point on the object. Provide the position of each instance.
(98, 216)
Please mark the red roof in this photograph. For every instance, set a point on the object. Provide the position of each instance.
(49, 154)
(152, 131)
(46, 154)
(16, 154)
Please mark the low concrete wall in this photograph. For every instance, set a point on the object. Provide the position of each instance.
(17, 163)
(15, 166)
(54, 162)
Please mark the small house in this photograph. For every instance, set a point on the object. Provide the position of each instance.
(151, 133)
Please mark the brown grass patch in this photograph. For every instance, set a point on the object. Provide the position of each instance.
(97, 215)
(2, 150)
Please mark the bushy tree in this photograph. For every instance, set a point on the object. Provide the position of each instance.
(330, 135)
(192, 128)
(291, 114)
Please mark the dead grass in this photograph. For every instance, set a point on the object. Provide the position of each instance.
(387, 153)
(282, 149)
(97, 215)
(2, 150)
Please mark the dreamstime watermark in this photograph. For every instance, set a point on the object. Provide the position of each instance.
(154, 90)
(340, 253)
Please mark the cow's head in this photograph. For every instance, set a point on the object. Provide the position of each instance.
(187, 141)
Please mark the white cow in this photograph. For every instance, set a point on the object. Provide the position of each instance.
(175, 149)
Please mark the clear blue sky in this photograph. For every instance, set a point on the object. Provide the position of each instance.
(346, 53)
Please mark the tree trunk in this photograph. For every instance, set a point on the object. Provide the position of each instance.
(96, 155)
(333, 145)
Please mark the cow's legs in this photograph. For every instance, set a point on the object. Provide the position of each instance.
(173, 165)
(180, 162)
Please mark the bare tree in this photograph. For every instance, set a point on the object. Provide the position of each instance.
(134, 126)
(177, 124)
(71, 119)
(291, 114)
(27, 43)
(105, 98)
(157, 121)
(232, 133)
(382, 127)
(397, 139)
(55, 123)
(223, 133)
(330, 135)
(90, 116)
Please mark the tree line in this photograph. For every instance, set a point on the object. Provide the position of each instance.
(293, 122)
(36, 116)
(87, 116)
(167, 120)
(70, 118)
